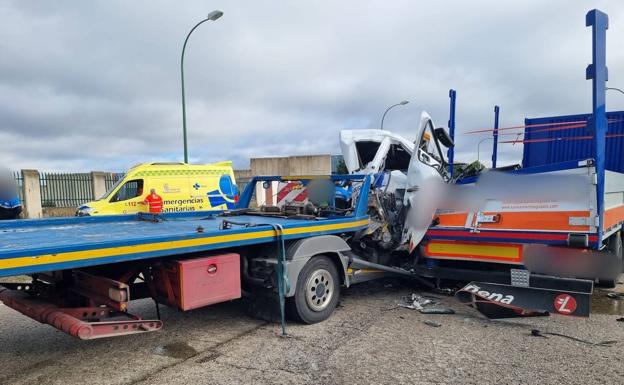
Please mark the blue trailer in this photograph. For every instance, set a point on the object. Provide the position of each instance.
(558, 139)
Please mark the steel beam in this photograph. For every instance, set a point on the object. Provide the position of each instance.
(451, 126)
(597, 72)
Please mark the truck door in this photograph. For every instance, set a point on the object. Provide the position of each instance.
(425, 182)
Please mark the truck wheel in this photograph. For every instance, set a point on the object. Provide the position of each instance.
(614, 246)
(317, 292)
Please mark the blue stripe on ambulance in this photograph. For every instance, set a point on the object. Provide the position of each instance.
(225, 195)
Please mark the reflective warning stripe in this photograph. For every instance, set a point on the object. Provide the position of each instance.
(510, 253)
(284, 191)
(291, 192)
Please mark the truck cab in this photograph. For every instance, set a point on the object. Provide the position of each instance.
(413, 171)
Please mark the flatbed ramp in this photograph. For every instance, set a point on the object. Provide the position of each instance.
(32, 246)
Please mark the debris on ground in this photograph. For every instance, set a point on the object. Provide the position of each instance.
(425, 305)
(616, 296)
(417, 302)
(445, 291)
(432, 323)
(621, 319)
(539, 333)
(437, 310)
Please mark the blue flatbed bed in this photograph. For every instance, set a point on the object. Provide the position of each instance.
(40, 245)
(33, 246)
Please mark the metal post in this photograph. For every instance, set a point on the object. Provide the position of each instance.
(597, 72)
(495, 147)
(282, 274)
(183, 97)
(479, 148)
(214, 15)
(451, 124)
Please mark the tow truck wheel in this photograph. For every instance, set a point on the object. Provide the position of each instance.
(317, 292)
(614, 246)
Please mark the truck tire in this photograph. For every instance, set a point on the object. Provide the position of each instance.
(317, 291)
(614, 245)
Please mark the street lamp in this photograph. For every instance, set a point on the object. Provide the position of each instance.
(404, 102)
(479, 145)
(212, 16)
(614, 89)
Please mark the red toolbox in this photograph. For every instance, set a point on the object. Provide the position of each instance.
(193, 283)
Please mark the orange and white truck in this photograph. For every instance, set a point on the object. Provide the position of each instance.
(509, 213)
(498, 228)
(559, 215)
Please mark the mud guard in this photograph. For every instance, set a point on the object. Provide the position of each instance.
(506, 301)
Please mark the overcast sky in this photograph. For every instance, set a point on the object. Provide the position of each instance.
(95, 85)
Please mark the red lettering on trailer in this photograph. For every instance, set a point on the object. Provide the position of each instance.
(565, 304)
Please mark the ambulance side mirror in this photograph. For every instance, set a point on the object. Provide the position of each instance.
(443, 137)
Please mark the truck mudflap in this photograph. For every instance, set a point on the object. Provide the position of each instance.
(495, 300)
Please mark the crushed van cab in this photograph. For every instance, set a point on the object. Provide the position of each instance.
(183, 187)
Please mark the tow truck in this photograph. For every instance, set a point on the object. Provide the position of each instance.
(84, 271)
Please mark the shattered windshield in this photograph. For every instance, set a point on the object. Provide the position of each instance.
(366, 151)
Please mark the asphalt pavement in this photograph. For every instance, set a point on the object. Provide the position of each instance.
(368, 340)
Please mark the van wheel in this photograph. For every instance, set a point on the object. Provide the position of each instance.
(614, 245)
(317, 292)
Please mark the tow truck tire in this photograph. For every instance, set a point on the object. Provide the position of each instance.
(614, 246)
(317, 292)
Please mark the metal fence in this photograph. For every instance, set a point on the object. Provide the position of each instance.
(112, 178)
(19, 180)
(65, 190)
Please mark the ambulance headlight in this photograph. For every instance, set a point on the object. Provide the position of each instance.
(84, 211)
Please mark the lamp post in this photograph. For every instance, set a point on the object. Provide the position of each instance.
(404, 102)
(479, 145)
(614, 89)
(212, 16)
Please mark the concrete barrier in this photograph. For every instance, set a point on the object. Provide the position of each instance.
(292, 165)
(98, 183)
(286, 166)
(242, 174)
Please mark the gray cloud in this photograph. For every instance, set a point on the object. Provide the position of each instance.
(95, 85)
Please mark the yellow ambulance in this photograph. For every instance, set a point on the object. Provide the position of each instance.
(182, 186)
